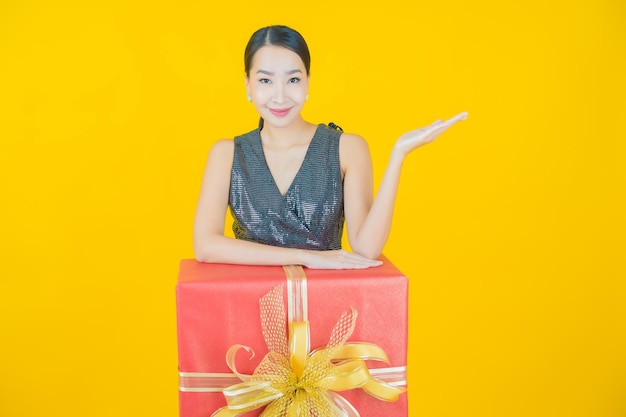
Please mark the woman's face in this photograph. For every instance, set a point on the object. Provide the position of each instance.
(278, 84)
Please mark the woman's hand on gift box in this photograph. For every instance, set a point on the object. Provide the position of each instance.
(337, 259)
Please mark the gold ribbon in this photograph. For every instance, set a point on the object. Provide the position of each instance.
(292, 381)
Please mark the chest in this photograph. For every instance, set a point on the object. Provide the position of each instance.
(284, 165)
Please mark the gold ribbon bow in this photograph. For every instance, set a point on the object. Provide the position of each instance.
(292, 381)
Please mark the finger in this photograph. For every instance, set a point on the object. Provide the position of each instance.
(361, 266)
(448, 123)
(437, 129)
(360, 260)
(434, 124)
(363, 262)
(457, 118)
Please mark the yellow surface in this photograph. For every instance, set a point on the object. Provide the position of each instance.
(511, 227)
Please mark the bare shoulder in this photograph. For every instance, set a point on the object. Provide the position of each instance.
(223, 147)
(353, 149)
(352, 140)
(222, 152)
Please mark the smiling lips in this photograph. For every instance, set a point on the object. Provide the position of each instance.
(279, 112)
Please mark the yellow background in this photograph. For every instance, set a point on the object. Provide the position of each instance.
(511, 226)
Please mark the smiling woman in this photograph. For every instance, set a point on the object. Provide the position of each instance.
(277, 84)
(290, 184)
(282, 46)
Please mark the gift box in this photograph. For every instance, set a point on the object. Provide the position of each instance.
(220, 309)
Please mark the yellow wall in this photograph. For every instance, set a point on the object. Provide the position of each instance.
(511, 227)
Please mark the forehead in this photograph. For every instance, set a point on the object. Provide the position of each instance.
(274, 58)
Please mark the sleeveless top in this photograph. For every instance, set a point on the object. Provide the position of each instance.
(310, 214)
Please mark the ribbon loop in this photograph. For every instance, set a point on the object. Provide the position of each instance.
(298, 346)
(292, 381)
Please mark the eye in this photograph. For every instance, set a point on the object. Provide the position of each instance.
(294, 80)
(264, 81)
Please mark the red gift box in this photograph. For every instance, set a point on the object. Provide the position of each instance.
(218, 307)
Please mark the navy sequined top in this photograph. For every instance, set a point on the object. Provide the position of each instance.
(310, 214)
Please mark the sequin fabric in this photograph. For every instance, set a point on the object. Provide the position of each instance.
(310, 214)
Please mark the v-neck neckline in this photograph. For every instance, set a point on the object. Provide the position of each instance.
(304, 160)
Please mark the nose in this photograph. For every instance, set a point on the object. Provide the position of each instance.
(279, 94)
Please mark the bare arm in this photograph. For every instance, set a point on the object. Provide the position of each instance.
(369, 220)
(210, 244)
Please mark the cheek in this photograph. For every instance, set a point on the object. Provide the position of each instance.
(260, 94)
(300, 91)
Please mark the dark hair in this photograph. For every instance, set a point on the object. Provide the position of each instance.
(276, 35)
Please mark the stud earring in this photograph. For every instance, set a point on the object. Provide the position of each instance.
(249, 97)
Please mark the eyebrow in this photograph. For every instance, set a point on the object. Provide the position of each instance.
(293, 71)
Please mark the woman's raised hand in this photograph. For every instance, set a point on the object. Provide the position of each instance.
(419, 137)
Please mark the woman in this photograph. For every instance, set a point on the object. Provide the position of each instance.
(290, 183)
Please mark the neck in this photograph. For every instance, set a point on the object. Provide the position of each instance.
(295, 131)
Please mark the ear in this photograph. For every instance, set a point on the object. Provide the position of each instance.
(247, 82)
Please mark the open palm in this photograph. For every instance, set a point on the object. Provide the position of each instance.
(422, 136)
